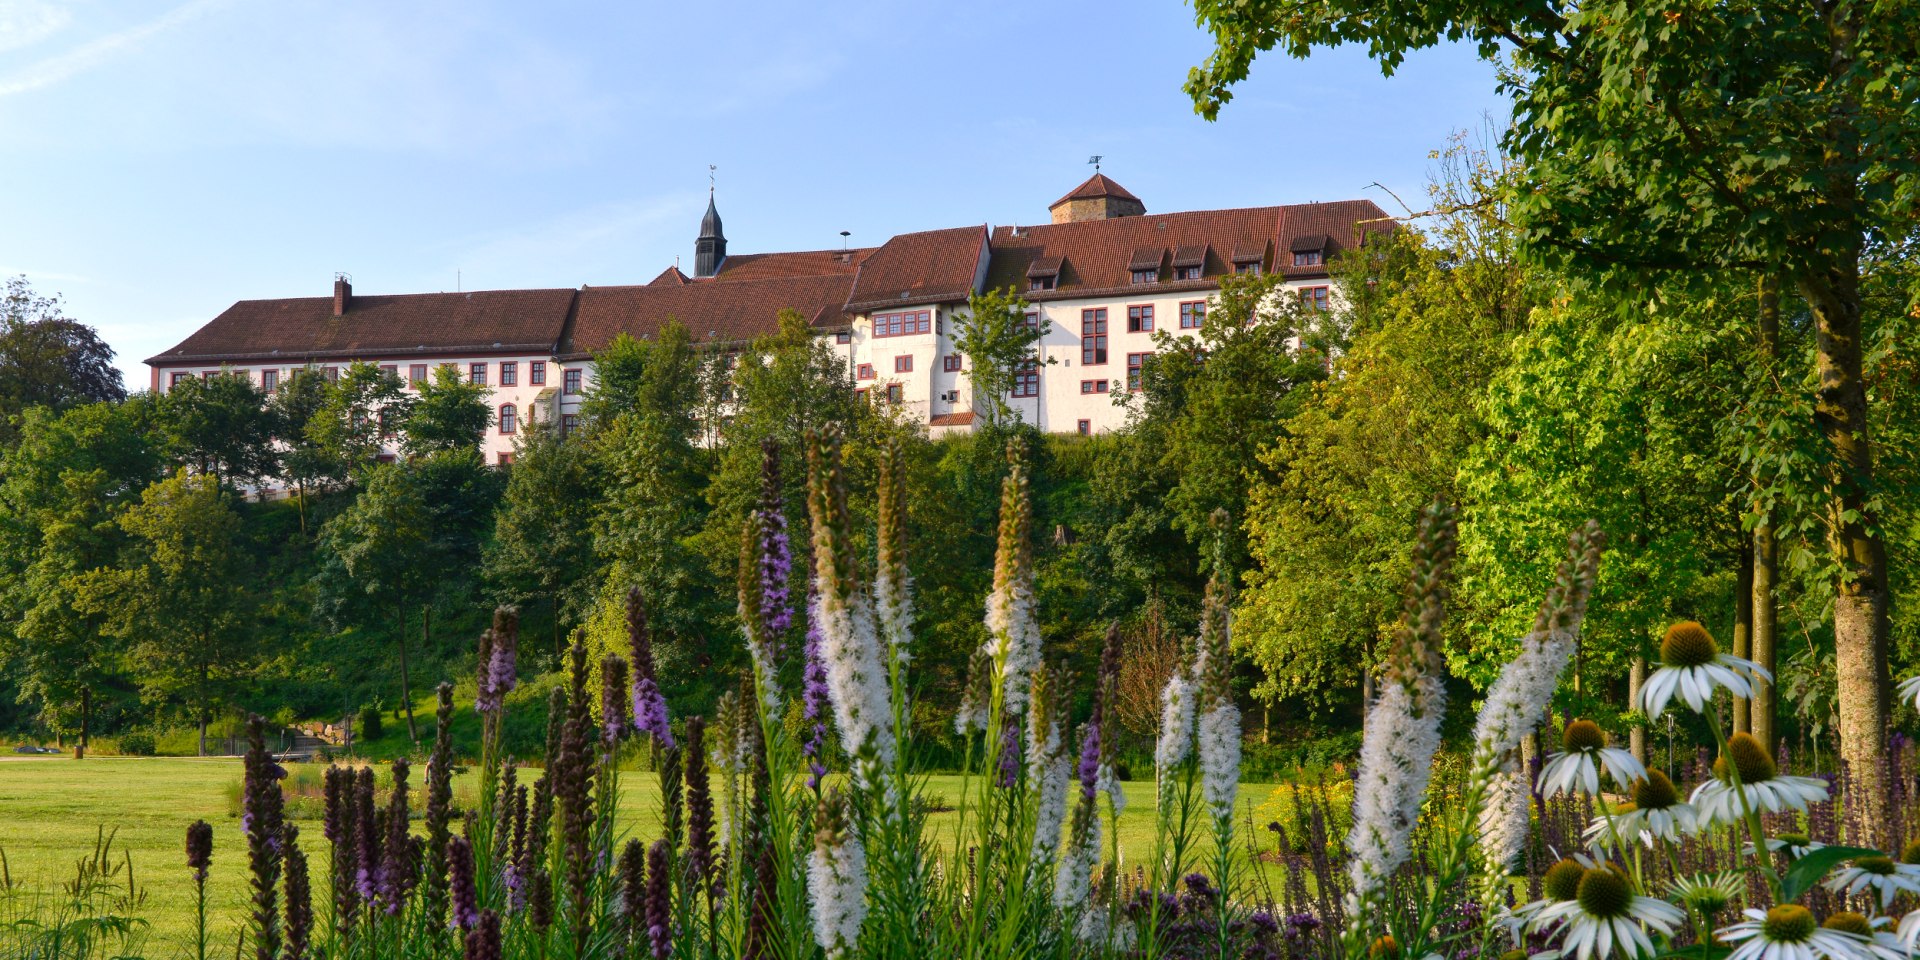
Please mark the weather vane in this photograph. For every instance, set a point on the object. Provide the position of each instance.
(710, 169)
(1095, 160)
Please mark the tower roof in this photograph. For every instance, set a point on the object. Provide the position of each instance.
(710, 224)
(1097, 186)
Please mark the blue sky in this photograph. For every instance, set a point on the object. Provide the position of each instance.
(162, 159)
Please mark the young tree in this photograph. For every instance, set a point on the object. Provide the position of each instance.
(1774, 137)
(221, 426)
(542, 544)
(293, 410)
(381, 543)
(48, 359)
(998, 342)
(449, 414)
(363, 408)
(181, 596)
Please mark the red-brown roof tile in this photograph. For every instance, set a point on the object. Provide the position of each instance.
(804, 263)
(727, 312)
(305, 327)
(936, 266)
(961, 419)
(1097, 186)
(1098, 254)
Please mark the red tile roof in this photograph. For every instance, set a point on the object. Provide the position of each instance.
(1097, 186)
(1098, 254)
(935, 266)
(383, 325)
(961, 419)
(805, 263)
(728, 312)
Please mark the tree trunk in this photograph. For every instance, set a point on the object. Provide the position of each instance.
(1743, 627)
(1637, 736)
(1765, 551)
(1765, 633)
(406, 683)
(559, 655)
(86, 715)
(1860, 625)
(202, 697)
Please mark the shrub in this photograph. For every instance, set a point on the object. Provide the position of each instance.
(368, 725)
(137, 745)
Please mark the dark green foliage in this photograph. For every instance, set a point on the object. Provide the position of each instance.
(368, 724)
(47, 359)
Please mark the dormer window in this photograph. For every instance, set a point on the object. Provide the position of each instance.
(1044, 273)
(1310, 250)
(1186, 273)
(1189, 261)
(1248, 269)
(1306, 258)
(1146, 276)
(1040, 283)
(1145, 264)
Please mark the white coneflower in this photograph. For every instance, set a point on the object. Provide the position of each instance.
(1878, 941)
(1692, 666)
(1503, 819)
(1881, 877)
(836, 880)
(1910, 690)
(1789, 932)
(1656, 813)
(1764, 788)
(1794, 845)
(1586, 754)
(849, 637)
(1605, 915)
(1909, 930)
(1176, 723)
(1219, 739)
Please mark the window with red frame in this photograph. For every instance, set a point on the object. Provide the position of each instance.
(1093, 386)
(477, 373)
(537, 373)
(506, 458)
(1093, 337)
(893, 393)
(1033, 320)
(1026, 380)
(843, 337)
(569, 422)
(1140, 318)
(1248, 269)
(270, 380)
(1314, 298)
(950, 363)
(331, 373)
(509, 373)
(1186, 273)
(1306, 258)
(860, 394)
(390, 370)
(902, 324)
(416, 374)
(864, 372)
(1134, 362)
(1085, 427)
(509, 418)
(178, 379)
(903, 363)
(1193, 313)
(570, 382)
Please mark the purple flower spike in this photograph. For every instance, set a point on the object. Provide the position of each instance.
(1089, 762)
(814, 704)
(650, 712)
(1009, 753)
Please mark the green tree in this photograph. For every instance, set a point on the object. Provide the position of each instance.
(61, 489)
(180, 596)
(221, 426)
(450, 414)
(48, 359)
(998, 342)
(304, 463)
(363, 408)
(542, 544)
(381, 543)
(1774, 137)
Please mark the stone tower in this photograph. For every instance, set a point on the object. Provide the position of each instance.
(1097, 199)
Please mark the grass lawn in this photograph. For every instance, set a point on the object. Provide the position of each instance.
(52, 808)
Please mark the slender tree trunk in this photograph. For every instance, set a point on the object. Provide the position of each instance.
(1637, 736)
(559, 655)
(406, 682)
(1765, 551)
(1743, 626)
(86, 715)
(201, 695)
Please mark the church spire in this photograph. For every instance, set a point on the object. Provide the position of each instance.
(711, 247)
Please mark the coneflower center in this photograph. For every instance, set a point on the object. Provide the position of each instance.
(1878, 866)
(1688, 644)
(1749, 758)
(1846, 921)
(1562, 881)
(1384, 948)
(1654, 792)
(1604, 894)
(1788, 923)
(1796, 839)
(1582, 736)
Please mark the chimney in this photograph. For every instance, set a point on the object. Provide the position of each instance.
(342, 292)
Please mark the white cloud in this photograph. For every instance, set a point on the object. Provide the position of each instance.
(95, 52)
(24, 23)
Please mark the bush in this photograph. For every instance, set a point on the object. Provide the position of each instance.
(137, 745)
(1309, 758)
(368, 725)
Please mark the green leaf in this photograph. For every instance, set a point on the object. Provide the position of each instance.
(1696, 953)
(1808, 870)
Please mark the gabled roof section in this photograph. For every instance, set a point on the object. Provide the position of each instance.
(300, 328)
(1096, 257)
(712, 311)
(804, 263)
(1308, 242)
(1044, 267)
(1146, 258)
(671, 276)
(1097, 186)
(935, 266)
